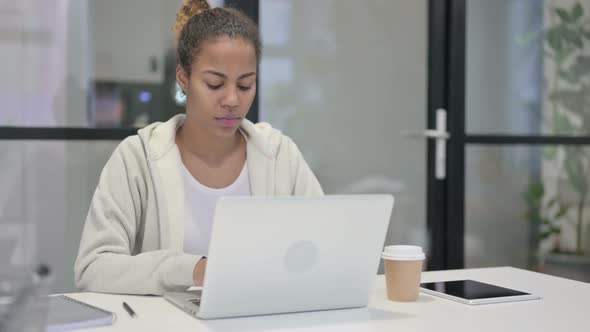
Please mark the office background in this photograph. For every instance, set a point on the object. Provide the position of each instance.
(346, 80)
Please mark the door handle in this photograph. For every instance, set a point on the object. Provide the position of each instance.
(440, 135)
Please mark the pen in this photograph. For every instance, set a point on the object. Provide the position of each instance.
(129, 310)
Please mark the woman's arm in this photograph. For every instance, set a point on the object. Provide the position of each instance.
(105, 262)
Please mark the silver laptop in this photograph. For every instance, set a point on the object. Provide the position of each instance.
(271, 255)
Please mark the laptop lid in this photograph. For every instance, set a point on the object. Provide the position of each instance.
(289, 254)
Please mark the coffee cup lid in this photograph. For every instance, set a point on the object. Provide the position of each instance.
(403, 253)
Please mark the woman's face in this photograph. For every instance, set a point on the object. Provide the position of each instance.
(221, 86)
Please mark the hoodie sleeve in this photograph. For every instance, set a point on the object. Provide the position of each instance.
(105, 261)
(304, 181)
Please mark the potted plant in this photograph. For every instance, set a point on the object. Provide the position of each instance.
(558, 202)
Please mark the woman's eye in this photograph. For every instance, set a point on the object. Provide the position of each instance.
(214, 87)
(244, 88)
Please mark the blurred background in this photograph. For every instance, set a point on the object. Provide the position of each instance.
(353, 83)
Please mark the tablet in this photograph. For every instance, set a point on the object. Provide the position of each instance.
(474, 292)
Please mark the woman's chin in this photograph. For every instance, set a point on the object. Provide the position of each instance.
(226, 131)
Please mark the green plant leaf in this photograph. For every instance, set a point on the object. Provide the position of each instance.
(577, 11)
(535, 191)
(569, 76)
(572, 36)
(577, 40)
(574, 170)
(581, 67)
(562, 124)
(563, 15)
(544, 235)
(554, 39)
(533, 197)
(562, 211)
(570, 99)
(547, 230)
(549, 152)
(560, 57)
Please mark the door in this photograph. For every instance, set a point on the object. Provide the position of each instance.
(517, 93)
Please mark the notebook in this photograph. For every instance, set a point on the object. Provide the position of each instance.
(65, 313)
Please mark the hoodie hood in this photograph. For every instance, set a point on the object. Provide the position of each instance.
(159, 138)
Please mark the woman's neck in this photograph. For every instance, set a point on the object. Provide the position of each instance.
(204, 145)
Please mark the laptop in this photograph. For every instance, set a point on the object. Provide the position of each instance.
(271, 255)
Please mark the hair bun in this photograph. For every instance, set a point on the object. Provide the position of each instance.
(189, 9)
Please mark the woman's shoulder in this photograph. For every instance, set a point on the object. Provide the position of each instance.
(131, 146)
(272, 141)
(261, 129)
(129, 154)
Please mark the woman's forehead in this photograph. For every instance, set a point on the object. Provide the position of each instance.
(227, 55)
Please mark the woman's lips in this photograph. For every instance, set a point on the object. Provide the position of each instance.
(228, 122)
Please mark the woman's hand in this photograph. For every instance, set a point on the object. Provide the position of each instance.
(199, 271)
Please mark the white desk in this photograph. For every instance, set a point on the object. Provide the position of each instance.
(565, 307)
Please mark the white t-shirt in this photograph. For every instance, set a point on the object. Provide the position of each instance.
(199, 205)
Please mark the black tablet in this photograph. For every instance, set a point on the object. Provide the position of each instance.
(474, 292)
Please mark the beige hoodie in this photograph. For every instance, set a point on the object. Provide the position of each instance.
(132, 241)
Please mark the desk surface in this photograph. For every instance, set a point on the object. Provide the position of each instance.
(564, 307)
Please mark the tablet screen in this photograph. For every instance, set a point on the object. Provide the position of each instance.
(471, 289)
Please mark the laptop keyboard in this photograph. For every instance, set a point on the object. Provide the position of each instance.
(196, 301)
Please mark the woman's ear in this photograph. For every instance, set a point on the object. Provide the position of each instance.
(182, 78)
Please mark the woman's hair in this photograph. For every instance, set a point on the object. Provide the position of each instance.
(196, 24)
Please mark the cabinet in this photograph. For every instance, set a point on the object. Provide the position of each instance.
(129, 39)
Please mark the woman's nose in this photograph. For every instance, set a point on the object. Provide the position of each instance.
(231, 98)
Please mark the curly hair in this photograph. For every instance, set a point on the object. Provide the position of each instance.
(197, 23)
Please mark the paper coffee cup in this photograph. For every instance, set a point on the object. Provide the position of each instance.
(403, 267)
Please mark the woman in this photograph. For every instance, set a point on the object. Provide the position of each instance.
(149, 222)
